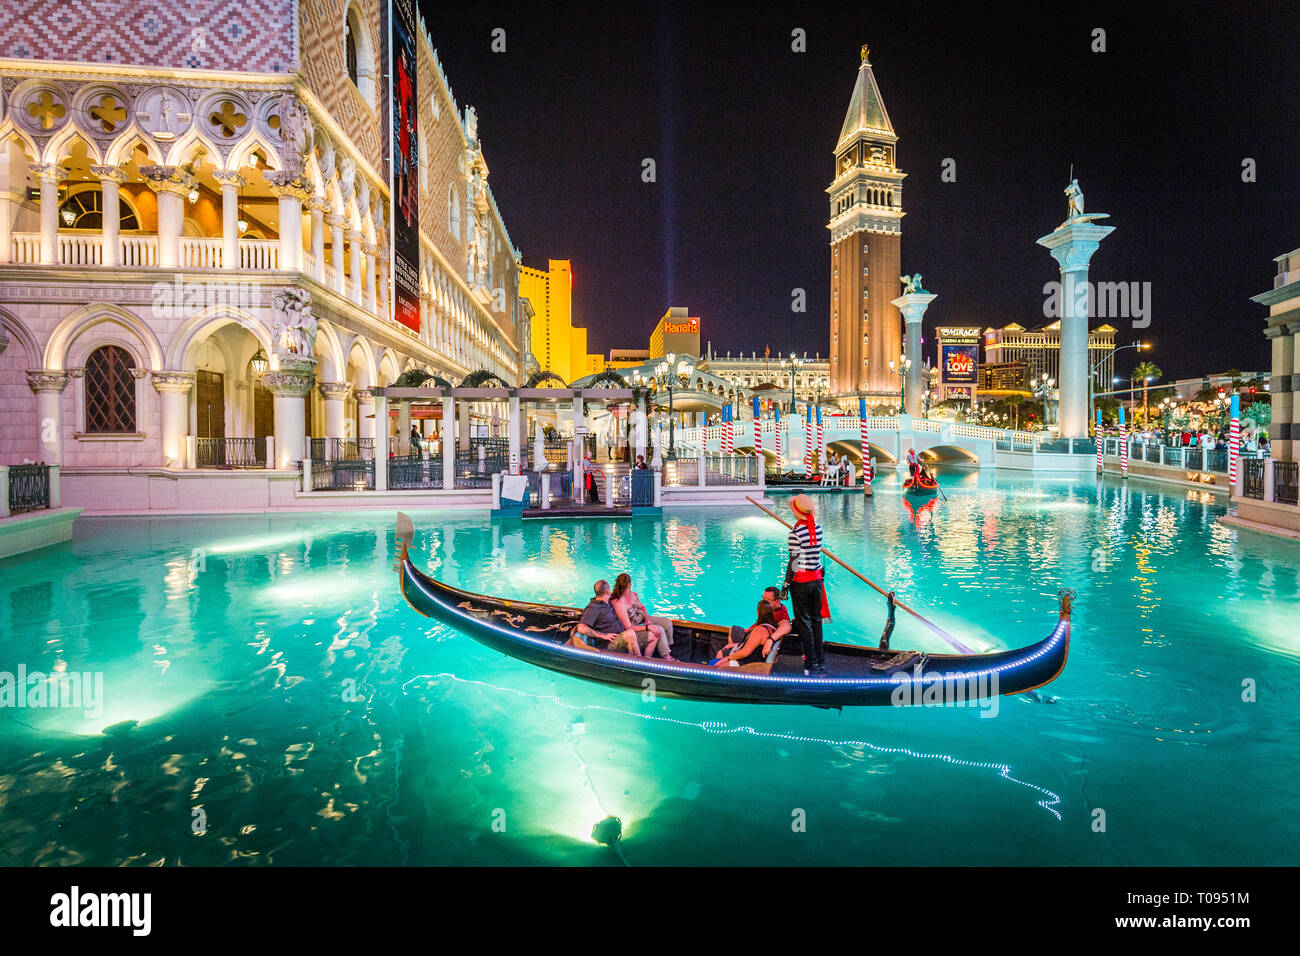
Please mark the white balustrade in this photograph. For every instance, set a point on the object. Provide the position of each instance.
(80, 249)
(25, 248)
(138, 250)
(200, 253)
(259, 253)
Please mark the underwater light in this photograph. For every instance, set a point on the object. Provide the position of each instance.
(608, 831)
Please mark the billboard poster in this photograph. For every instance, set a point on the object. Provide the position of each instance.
(960, 364)
(404, 146)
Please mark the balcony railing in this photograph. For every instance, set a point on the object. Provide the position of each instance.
(29, 488)
(230, 452)
(87, 249)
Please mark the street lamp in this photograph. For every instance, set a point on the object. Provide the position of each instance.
(1092, 392)
(666, 375)
(900, 369)
(792, 364)
(1042, 387)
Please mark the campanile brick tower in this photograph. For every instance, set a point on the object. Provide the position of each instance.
(866, 217)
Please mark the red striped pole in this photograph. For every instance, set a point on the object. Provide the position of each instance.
(1234, 442)
(807, 448)
(1100, 467)
(1123, 444)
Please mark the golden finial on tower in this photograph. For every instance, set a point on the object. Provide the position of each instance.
(866, 52)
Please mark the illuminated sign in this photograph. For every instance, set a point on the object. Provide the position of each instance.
(959, 364)
(690, 326)
(957, 333)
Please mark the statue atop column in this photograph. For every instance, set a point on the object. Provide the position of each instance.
(912, 284)
(1074, 200)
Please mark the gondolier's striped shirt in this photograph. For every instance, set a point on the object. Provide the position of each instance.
(804, 555)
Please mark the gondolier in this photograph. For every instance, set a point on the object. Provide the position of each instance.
(804, 577)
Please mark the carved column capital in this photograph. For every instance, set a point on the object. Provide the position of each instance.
(318, 204)
(335, 221)
(109, 174)
(48, 172)
(173, 383)
(354, 235)
(46, 380)
(364, 396)
(230, 177)
(288, 184)
(370, 249)
(168, 179)
(334, 391)
(295, 377)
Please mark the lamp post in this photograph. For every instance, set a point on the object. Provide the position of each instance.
(900, 368)
(1092, 392)
(1042, 386)
(666, 374)
(792, 364)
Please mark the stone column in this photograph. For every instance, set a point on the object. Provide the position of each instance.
(335, 394)
(579, 446)
(366, 405)
(371, 300)
(382, 308)
(1284, 372)
(336, 224)
(913, 306)
(174, 392)
(49, 175)
(354, 266)
(1292, 448)
(292, 194)
(110, 181)
(514, 430)
(1072, 244)
(242, 408)
(317, 207)
(640, 429)
(424, 317)
(448, 442)
(171, 184)
(380, 428)
(403, 443)
(290, 384)
(231, 181)
(48, 384)
(11, 185)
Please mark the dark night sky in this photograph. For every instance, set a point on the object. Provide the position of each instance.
(742, 131)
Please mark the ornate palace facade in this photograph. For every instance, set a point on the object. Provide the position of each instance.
(172, 179)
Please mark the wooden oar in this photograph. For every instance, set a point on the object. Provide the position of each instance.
(952, 641)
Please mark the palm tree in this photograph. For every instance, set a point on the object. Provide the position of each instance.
(1147, 372)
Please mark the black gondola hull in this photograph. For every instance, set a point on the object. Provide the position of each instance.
(538, 634)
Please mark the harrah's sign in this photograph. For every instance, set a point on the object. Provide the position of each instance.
(685, 328)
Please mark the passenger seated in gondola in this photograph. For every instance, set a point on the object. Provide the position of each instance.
(632, 615)
(601, 622)
(755, 644)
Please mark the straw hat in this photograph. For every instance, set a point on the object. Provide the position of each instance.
(802, 505)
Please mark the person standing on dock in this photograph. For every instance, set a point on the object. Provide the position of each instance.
(804, 578)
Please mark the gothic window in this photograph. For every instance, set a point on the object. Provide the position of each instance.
(350, 50)
(359, 54)
(85, 210)
(110, 391)
(453, 214)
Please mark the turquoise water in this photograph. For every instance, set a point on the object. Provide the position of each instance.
(289, 705)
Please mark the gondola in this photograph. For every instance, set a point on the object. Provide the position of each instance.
(923, 485)
(543, 634)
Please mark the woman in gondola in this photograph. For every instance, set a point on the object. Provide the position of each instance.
(757, 643)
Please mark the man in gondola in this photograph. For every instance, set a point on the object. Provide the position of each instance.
(804, 577)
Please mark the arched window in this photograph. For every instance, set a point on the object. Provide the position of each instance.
(453, 210)
(350, 49)
(84, 209)
(110, 391)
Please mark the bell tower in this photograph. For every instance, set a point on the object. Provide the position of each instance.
(865, 223)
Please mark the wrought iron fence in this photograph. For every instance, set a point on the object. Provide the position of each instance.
(681, 471)
(731, 470)
(29, 488)
(1216, 459)
(230, 452)
(354, 474)
(408, 472)
(1252, 479)
(1286, 476)
(349, 448)
(476, 464)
